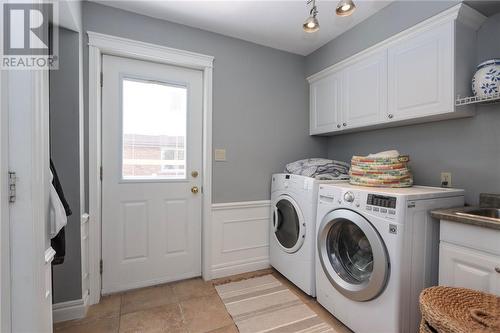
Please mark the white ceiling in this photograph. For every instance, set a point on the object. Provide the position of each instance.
(276, 24)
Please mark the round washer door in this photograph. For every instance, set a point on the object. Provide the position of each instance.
(288, 224)
(353, 255)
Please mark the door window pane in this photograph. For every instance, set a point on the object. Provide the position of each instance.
(154, 130)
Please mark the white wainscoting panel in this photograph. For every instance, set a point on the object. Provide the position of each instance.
(84, 231)
(240, 237)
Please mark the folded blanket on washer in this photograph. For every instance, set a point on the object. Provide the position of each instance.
(319, 168)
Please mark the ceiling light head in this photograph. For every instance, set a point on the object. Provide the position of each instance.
(345, 8)
(311, 24)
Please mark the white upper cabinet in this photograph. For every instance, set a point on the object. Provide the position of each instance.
(325, 100)
(365, 91)
(412, 77)
(421, 74)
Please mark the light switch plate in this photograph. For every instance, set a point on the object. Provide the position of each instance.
(220, 155)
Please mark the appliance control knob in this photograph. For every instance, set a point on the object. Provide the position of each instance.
(349, 196)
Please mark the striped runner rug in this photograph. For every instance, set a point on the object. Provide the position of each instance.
(263, 304)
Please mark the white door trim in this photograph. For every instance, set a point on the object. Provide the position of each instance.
(100, 44)
(5, 314)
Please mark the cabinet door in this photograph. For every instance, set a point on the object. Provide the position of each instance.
(463, 267)
(325, 99)
(421, 74)
(365, 91)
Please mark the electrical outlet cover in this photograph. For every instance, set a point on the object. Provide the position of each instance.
(446, 179)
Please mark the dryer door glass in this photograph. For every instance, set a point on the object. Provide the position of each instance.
(286, 224)
(350, 252)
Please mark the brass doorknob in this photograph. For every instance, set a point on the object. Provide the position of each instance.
(195, 189)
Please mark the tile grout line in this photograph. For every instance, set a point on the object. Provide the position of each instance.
(120, 313)
(182, 315)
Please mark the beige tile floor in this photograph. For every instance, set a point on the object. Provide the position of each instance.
(190, 306)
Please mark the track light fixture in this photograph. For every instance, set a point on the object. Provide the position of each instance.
(345, 8)
(311, 24)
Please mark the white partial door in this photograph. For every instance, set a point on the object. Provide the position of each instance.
(151, 181)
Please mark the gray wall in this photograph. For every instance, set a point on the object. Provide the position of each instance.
(260, 99)
(64, 145)
(469, 148)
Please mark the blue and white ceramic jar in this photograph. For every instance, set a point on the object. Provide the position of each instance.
(486, 80)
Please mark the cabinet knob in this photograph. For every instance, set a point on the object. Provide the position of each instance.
(338, 125)
(390, 115)
(497, 269)
(344, 124)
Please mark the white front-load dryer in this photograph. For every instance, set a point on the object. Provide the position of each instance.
(292, 228)
(376, 250)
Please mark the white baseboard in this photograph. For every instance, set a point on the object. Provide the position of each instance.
(70, 310)
(233, 268)
(240, 237)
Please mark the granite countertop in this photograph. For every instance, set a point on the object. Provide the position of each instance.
(450, 214)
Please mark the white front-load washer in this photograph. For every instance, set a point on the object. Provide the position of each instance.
(293, 227)
(376, 250)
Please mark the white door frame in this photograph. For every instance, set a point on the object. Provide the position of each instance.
(100, 44)
(5, 312)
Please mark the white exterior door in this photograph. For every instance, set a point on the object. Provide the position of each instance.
(365, 92)
(151, 181)
(467, 268)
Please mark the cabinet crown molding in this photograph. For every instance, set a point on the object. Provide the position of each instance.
(460, 13)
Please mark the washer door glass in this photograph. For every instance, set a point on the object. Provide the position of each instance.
(350, 252)
(353, 255)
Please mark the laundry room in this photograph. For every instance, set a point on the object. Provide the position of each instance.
(326, 166)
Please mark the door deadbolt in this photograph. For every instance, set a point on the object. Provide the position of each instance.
(194, 174)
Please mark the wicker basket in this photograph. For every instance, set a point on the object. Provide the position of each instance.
(458, 310)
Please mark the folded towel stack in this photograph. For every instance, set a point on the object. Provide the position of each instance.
(385, 169)
(319, 168)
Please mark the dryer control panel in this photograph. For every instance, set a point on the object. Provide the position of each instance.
(381, 201)
(381, 204)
